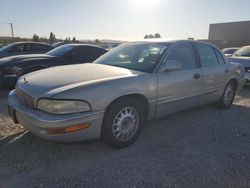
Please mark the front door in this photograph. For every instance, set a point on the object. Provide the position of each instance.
(180, 89)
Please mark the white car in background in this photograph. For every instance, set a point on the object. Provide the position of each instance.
(228, 52)
(242, 56)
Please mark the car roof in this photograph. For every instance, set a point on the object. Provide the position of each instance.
(231, 48)
(160, 40)
(80, 44)
(30, 42)
(175, 41)
(245, 46)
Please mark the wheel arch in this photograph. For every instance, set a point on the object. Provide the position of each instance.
(235, 81)
(137, 96)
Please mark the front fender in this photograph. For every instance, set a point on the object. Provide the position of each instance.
(100, 95)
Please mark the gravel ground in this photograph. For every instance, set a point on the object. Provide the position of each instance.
(202, 147)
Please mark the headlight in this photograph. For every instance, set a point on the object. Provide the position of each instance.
(62, 106)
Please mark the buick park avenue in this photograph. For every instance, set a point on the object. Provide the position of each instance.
(113, 97)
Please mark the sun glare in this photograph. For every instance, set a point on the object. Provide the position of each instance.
(144, 3)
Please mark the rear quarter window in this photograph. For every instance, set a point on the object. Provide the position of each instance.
(38, 48)
(207, 55)
(220, 58)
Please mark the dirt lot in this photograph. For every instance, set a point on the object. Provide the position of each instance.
(202, 147)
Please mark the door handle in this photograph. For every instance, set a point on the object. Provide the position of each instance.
(197, 76)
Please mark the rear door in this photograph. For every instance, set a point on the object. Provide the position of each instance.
(181, 89)
(215, 72)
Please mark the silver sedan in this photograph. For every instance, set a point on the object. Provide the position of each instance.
(112, 97)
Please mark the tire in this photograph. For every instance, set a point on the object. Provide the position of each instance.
(228, 95)
(122, 123)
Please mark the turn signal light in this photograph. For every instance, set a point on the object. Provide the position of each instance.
(68, 129)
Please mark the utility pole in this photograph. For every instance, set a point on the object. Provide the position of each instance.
(11, 28)
(12, 31)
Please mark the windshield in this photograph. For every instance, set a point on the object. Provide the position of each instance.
(244, 52)
(135, 56)
(60, 51)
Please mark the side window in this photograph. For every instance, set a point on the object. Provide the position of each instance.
(101, 52)
(20, 48)
(219, 57)
(39, 48)
(184, 54)
(207, 55)
(89, 54)
(27, 47)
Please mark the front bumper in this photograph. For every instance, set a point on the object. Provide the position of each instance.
(38, 122)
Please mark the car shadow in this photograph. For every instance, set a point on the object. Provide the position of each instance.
(194, 137)
(172, 121)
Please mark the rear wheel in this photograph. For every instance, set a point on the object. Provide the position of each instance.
(122, 123)
(228, 96)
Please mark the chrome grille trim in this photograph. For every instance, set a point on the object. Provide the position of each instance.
(25, 98)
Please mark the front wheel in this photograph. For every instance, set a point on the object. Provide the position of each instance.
(228, 96)
(122, 123)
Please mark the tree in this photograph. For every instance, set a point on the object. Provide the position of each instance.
(150, 36)
(35, 38)
(67, 39)
(74, 39)
(52, 37)
(157, 35)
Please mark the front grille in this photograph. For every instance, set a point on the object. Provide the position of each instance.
(25, 98)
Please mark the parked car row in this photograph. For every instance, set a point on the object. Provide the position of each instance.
(11, 68)
(242, 56)
(20, 48)
(112, 97)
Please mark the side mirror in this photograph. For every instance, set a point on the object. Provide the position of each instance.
(172, 65)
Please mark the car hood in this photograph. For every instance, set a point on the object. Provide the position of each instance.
(52, 81)
(245, 61)
(21, 58)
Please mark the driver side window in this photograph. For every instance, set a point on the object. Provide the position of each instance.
(184, 54)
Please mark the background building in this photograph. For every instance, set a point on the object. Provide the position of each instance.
(232, 34)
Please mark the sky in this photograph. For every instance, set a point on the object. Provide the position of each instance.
(118, 19)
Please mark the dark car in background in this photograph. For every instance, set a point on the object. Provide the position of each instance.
(20, 48)
(242, 56)
(57, 44)
(1, 45)
(228, 52)
(11, 68)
